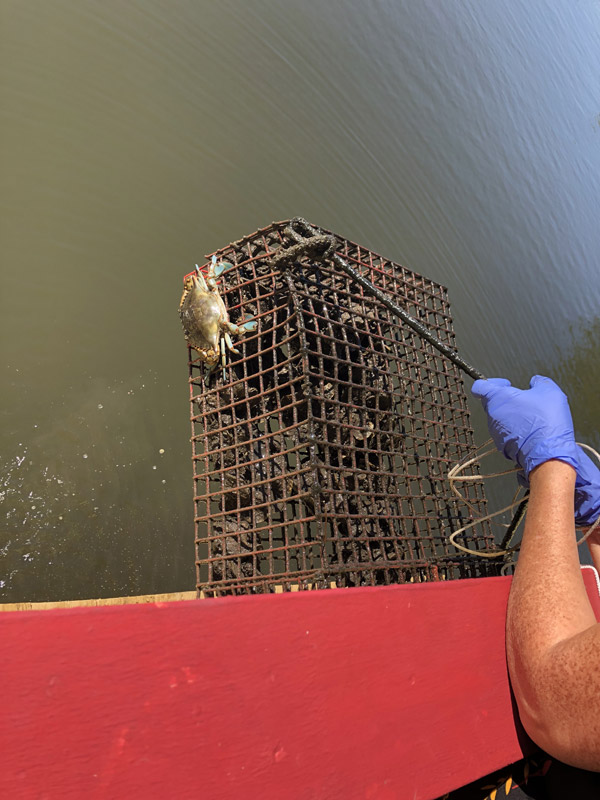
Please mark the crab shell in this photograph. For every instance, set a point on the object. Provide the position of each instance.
(204, 318)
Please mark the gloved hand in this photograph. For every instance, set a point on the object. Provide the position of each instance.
(534, 425)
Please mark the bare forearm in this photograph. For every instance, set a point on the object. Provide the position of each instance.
(548, 590)
(553, 642)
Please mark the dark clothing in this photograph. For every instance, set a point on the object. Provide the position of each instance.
(539, 777)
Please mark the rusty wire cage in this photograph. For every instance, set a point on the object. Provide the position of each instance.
(320, 458)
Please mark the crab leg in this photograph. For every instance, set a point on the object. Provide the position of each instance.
(223, 356)
(244, 327)
(227, 340)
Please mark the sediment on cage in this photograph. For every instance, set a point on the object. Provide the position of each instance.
(320, 455)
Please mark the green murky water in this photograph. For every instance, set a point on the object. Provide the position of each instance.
(459, 138)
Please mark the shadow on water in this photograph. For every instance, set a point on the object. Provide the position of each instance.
(577, 370)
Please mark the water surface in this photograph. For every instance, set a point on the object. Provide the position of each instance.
(459, 138)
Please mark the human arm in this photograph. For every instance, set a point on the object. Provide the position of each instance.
(553, 640)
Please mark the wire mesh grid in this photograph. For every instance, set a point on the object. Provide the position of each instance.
(320, 457)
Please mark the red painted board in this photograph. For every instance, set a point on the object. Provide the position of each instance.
(391, 692)
(592, 584)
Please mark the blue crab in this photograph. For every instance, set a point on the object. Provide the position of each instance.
(205, 319)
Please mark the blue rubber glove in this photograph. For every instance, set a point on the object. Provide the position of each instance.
(534, 425)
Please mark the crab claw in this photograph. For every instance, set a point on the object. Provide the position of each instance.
(248, 324)
(220, 268)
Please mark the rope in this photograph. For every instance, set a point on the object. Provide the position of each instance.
(418, 327)
(455, 475)
(320, 247)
